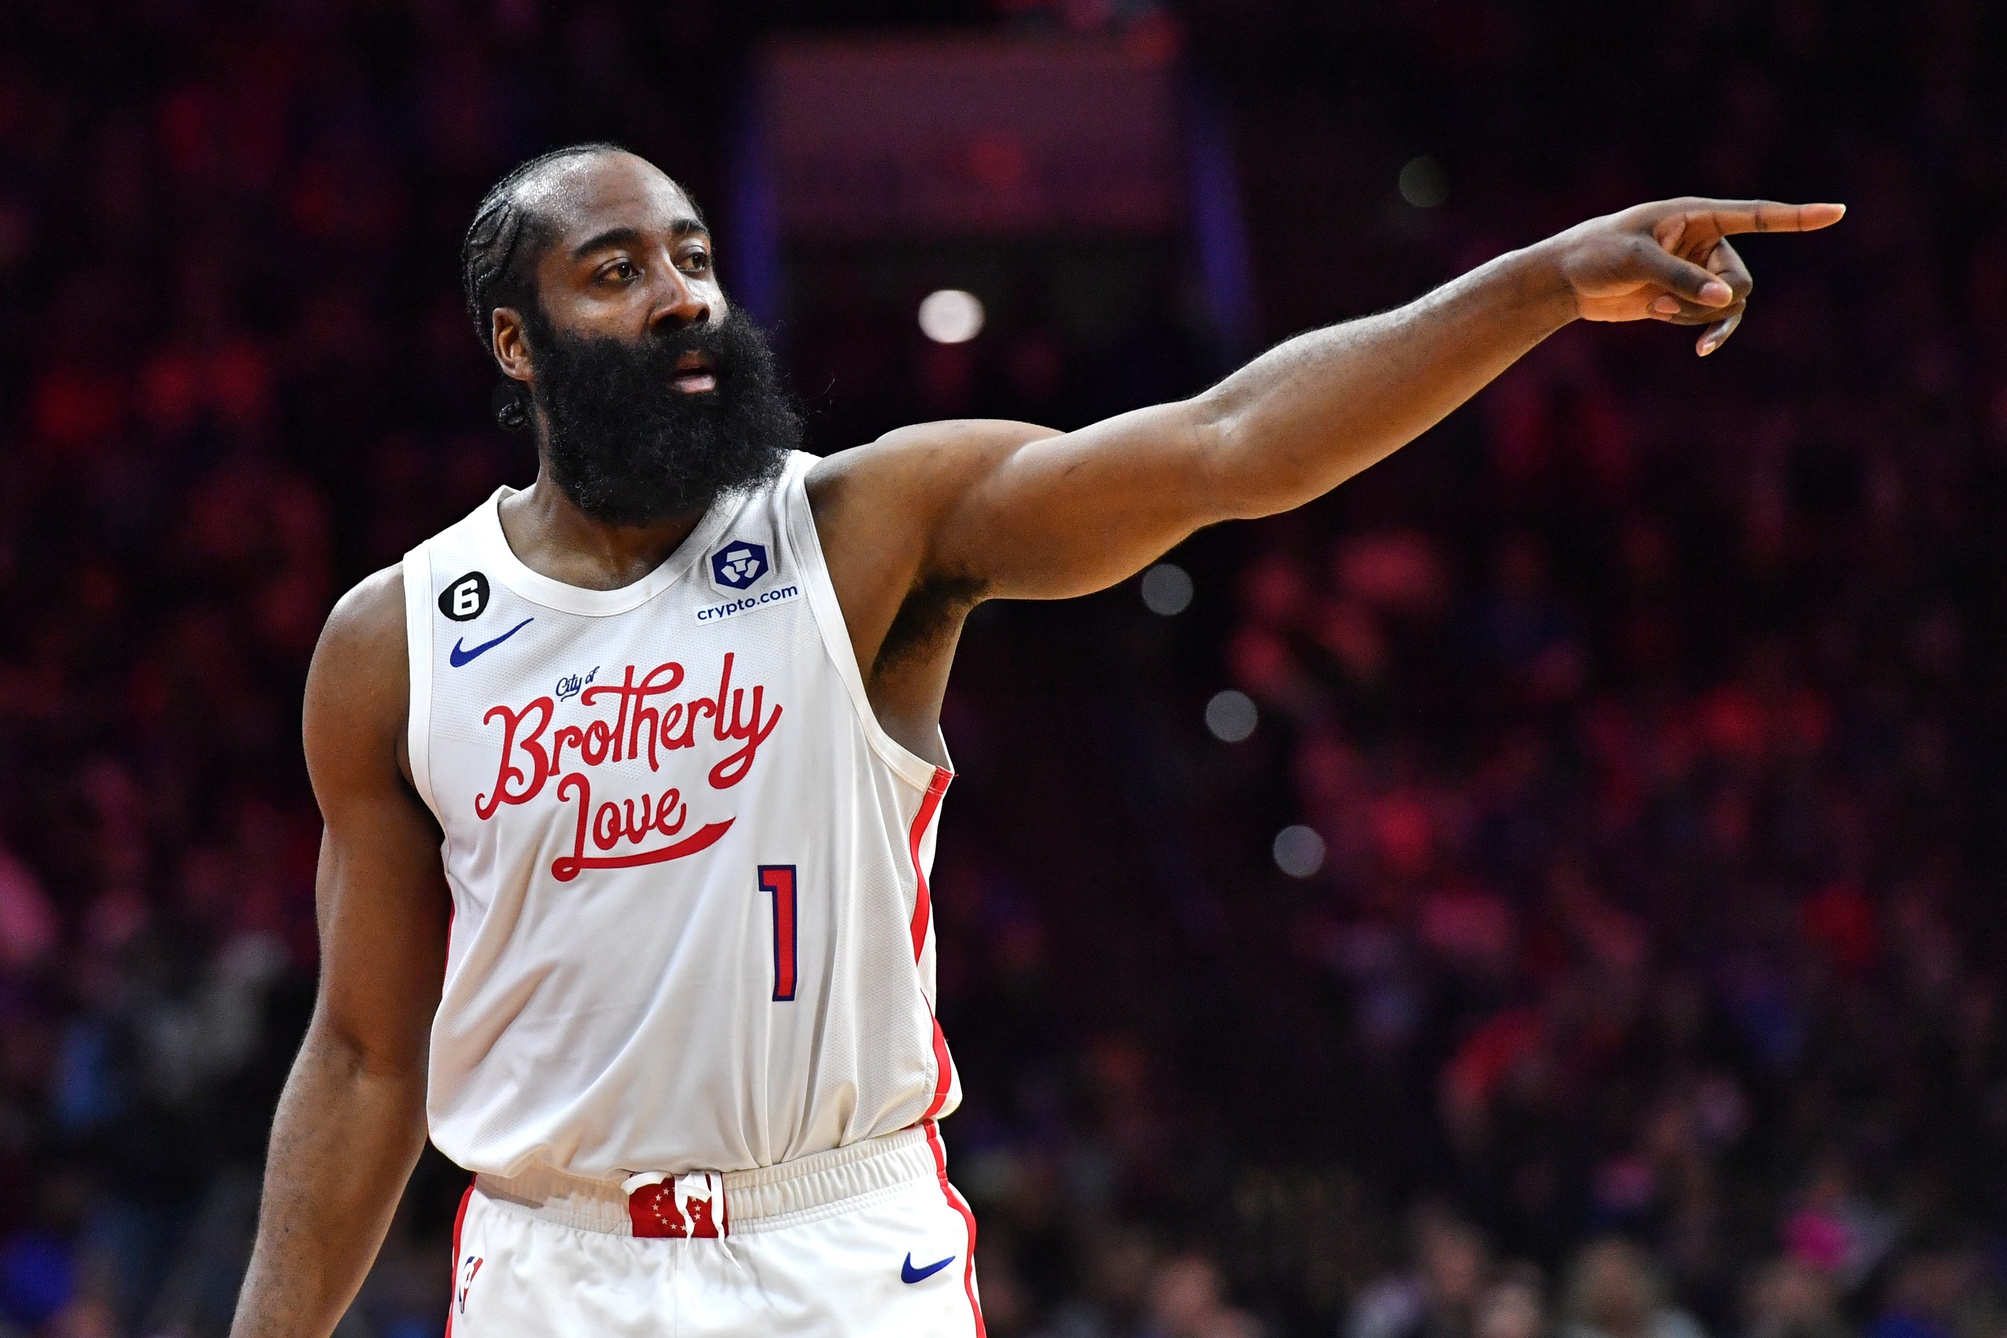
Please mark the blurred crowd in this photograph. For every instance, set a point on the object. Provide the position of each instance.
(1639, 978)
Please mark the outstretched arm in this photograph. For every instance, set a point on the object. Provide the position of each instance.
(1009, 510)
(352, 1119)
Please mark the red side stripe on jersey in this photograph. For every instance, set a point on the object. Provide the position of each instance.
(923, 909)
(923, 906)
(460, 1220)
(944, 1072)
(955, 1201)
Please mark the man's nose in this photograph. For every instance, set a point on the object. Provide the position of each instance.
(679, 304)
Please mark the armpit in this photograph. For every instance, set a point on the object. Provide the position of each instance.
(931, 614)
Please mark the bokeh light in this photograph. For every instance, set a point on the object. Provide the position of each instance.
(1424, 184)
(951, 316)
(1299, 851)
(1167, 589)
(1231, 716)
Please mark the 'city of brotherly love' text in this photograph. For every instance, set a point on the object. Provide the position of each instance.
(533, 754)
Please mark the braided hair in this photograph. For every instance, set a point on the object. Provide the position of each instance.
(497, 263)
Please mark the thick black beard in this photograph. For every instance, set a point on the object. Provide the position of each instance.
(629, 448)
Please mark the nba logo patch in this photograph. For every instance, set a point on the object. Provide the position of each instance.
(738, 564)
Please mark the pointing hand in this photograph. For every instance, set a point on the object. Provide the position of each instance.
(1671, 261)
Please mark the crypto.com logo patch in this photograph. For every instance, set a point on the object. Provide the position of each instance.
(738, 564)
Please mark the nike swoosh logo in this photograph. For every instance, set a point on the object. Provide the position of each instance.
(908, 1273)
(461, 655)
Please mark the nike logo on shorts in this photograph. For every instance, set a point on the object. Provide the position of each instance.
(908, 1273)
(460, 656)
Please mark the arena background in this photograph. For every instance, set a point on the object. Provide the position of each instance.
(1551, 884)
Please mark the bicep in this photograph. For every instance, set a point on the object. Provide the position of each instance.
(1067, 514)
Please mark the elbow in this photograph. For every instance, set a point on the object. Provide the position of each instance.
(365, 1054)
(1245, 474)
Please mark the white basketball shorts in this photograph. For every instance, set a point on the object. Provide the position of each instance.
(865, 1240)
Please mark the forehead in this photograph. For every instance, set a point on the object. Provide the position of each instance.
(579, 198)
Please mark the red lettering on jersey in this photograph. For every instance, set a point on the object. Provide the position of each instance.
(606, 828)
(536, 750)
(734, 768)
(625, 732)
(510, 773)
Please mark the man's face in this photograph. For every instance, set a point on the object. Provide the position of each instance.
(652, 396)
(627, 252)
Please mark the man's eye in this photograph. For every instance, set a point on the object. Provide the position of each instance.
(621, 269)
(697, 260)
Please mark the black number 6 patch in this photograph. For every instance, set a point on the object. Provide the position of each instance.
(466, 599)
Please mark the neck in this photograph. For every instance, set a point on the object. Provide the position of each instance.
(552, 537)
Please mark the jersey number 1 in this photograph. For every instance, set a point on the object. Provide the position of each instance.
(778, 879)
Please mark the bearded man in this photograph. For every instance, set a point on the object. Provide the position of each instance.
(646, 756)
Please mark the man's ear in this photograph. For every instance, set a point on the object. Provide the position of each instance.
(507, 338)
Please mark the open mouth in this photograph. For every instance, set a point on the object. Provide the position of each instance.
(693, 374)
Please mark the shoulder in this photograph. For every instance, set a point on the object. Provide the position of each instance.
(922, 464)
(367, 622)
(879, 510)
(359, 679)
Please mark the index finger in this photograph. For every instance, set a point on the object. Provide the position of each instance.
(1733, 216)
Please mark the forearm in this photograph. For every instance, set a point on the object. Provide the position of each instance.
(1317, 409)
(1021, 513)
(343, 1144)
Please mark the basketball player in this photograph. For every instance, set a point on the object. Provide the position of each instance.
(631, 777)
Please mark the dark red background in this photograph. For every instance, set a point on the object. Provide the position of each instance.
(1651, 709)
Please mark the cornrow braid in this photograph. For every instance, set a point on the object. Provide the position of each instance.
(496, 260)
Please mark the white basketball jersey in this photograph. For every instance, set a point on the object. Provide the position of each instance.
(691, 927)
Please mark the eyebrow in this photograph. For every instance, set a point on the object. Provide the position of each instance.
(628, 236)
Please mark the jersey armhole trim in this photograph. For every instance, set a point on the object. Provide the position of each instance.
(418, 656)
(798, 525)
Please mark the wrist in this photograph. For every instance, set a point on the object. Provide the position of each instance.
(1539, 275)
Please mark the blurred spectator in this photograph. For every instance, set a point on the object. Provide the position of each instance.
(1938, 1293)
(1792, 1299)
(1439, 1298)
(1112, 1302)
(1513, 1306)
(1186, 1302)
(1615, 1291)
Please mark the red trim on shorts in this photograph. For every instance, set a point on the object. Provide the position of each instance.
(955, 1201)
(923, 905)
(453, 1293)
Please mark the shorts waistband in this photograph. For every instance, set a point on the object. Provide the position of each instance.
(765, 1199)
